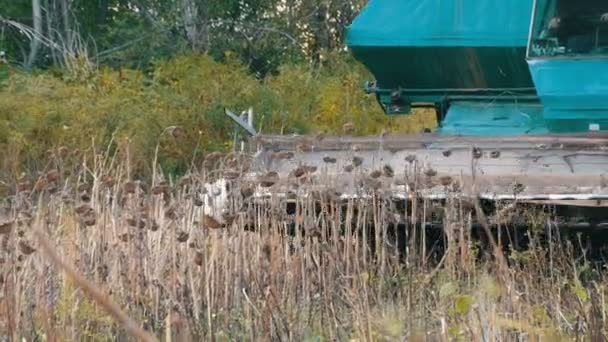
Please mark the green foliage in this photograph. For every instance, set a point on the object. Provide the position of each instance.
(132, 42)
(93, 322)
(462, 304)
(11, 40)
(132, 109)
(4, 73)
(264, 34)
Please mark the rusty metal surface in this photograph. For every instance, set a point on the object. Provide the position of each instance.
(530, 168)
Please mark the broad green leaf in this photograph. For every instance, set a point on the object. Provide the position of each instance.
(581, 293)
(463, 304)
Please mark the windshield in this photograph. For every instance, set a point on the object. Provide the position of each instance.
(569, 28)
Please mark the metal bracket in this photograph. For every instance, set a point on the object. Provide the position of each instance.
(246, 125)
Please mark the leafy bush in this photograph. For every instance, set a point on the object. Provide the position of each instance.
(131, 108)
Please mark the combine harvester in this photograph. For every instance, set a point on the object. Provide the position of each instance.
(520, 90)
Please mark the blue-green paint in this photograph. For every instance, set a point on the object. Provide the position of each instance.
(469, 56)
(572, 88)
(493, 119)
(459, 46)
(447, 23)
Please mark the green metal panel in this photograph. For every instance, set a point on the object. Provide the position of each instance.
(438, 51)
(573, 91)
(493, 119)
(442, 23)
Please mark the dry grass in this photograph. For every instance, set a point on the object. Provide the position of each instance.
(322, 272)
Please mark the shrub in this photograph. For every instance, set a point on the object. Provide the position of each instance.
(129, 108)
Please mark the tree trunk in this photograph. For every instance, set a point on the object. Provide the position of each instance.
(195, 20)
(50, 21)
(65, 18)
(102, 13)
(35, 42)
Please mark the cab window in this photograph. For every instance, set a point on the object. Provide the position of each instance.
(570, 27)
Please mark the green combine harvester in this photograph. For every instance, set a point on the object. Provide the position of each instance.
(520, 90)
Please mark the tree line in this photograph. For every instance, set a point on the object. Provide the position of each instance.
(263, 33)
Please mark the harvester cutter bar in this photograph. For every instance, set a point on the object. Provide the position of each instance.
(564, 169)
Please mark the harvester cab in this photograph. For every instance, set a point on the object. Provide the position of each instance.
(568, 60)
(520, 90)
